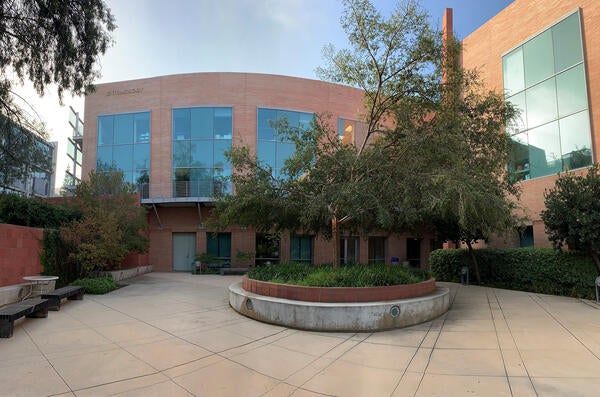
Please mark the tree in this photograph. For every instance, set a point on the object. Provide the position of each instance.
(434, 148)
(113, 222)
(49, 43)
(572, 214)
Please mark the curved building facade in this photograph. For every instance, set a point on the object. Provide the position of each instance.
(168, 135)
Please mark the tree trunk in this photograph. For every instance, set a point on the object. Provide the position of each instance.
(596, 259)
(475, 264)
(335, 234)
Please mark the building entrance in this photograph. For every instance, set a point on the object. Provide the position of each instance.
(184, 251)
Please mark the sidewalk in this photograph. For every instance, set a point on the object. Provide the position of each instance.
(173, 334)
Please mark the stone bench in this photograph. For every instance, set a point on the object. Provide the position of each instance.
(71, 292)
(36, 308)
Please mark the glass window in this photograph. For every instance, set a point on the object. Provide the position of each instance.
(202, 153)
(555, 121)
(266, 153)
(221, 184)
(181, 153)
(201, 182)
(219, 245)
(301, 249)
(513, 72)
(123, 157)
(267, 249)
(571, 91)
(221, 146)
(541, 103)
(124, 128)
(292, 118)
(203, 146)
(123, 143)
(142, 127)
(538, 58)
(518, 159)
(284, 152)
(202, 123)
(266, 120)
(223, 123)
(105, 130)
(181, 124)
(376, 249)
(104, 157)
(544, 150)
(568, 50)
(520, 122)
(141, 153)
(71, 149)
(305, 119)
(575, 141)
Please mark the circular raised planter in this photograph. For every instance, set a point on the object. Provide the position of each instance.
(374, 312)
(338, 294)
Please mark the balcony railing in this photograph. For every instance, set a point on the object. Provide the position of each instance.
(181, 190)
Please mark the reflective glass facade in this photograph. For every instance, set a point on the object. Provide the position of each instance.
(545, 78)
(201, 136)
(124, 144)
(273, 149)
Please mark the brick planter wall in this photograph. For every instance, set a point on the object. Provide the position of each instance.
(338, 294)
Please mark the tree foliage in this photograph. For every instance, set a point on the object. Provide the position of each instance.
(434, 150)
(48, 42)
(113, 222)
(572, 214)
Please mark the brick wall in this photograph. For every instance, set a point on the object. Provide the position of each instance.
(20, 249)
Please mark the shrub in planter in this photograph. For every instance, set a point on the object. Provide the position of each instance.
(345, 276)
(97, 286)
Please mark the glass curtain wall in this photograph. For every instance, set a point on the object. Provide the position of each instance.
(201, 136)
(124, 144)
(545, 78)
(274, 149)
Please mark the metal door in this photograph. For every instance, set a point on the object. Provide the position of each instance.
(184, 251)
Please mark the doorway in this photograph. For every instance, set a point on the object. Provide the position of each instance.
(413, 251)
(184, 251)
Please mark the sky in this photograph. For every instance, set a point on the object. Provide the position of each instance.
(157, 37)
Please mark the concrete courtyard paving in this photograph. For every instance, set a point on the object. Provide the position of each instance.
(171, 334)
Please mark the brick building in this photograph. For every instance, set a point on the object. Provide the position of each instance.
(168, 134)
(543, 55)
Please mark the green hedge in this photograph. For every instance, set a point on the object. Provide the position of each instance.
(35, 212)
(97, 286)
(541, 270)
(344, 276)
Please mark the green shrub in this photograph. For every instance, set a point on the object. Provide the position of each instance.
(35, 212)
(55, 258)
(344, 276)
(541, 270)
(97, 286)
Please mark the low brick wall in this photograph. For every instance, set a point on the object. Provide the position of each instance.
(338, 294)
(124, 274)
(20, 249)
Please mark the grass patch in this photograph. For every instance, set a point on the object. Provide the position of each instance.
(375, 275)
(97, 286)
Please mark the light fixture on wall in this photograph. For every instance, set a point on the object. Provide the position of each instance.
(201, 226)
